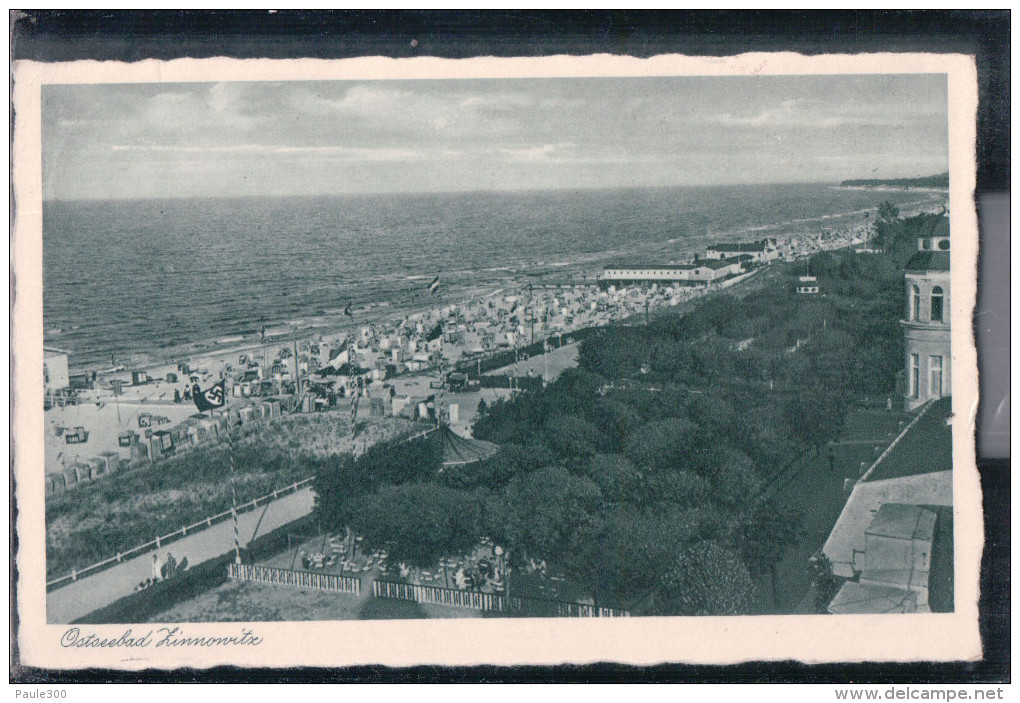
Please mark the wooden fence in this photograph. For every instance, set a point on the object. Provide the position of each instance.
(300, 579)
(490, 601)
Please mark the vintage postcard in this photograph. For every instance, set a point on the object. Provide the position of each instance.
(505, 361)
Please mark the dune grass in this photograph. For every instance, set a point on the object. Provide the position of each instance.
(96, 521)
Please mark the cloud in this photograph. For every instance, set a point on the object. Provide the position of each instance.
(801, 114)
(537, 154)
(335, 152)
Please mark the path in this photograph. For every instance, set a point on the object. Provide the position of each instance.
(559, 360)
(88, 594)
(816, 491)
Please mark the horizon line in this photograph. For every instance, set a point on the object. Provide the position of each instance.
(335, 194)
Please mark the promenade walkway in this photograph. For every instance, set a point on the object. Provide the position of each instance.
(78, 599)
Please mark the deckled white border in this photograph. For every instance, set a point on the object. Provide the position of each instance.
(936, 637)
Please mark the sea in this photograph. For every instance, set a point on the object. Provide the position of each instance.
(146, 280)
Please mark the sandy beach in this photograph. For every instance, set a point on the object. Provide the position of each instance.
(485, 320)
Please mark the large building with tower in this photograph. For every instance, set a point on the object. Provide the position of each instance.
(926, 324)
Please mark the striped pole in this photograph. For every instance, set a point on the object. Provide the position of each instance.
(442, 385)
(233, 491)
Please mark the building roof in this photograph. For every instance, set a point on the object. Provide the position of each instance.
(760, 245)
(927, 447)
(718, 263)
(928, 261)
(938, 228)
(658, 267)
(903, 521)
(50, 351)
(916, 470)
(866, 598)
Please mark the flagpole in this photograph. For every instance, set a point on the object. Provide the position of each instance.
(209, 401)
(442, 335)
(545, 349)
(233, 490)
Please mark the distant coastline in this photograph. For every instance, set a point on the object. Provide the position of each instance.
(937, 182)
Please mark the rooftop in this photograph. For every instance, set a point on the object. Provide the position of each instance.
(718, 263)
(856, 597)
(928, 261)
(926, 448)
(938, 228)
(657, 267)
(761, 245)
(918, 470)
(903, 521)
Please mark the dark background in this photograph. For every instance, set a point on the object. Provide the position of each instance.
(55, 35)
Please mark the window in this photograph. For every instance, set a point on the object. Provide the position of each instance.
(915, 375)
(936, 304)
(915, 303)
(935, 376)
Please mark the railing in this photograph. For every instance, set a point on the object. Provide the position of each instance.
(300, 579)
(178, 534)
(489, 601)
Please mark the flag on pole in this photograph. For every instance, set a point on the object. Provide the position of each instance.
(434, 286)
(211, 398)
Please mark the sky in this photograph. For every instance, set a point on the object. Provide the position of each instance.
(307, 138)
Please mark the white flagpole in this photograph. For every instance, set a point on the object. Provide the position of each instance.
(442, 382)
(233, 488)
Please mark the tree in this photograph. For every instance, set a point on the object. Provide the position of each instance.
(816, 417)
(618, 479)
(536, 514)
(419, 523)
(705, 579)
(482, 406)
(712, 413)
(667, 444)
(616, 420)
(766, 536)
(628, 557)
(571, 437)
(402, 461)
(887, 212)
(735, 481)
(825, 582)
(336, 487)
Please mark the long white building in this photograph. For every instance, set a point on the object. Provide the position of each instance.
(699, 273)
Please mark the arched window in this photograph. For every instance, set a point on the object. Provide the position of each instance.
(936, 304)
(915, 303)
